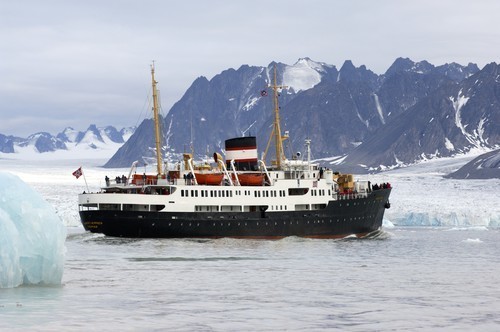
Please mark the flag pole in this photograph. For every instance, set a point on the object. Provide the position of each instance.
(88, 191)
(86, 185)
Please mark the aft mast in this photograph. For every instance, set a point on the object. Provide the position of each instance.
(156, 119)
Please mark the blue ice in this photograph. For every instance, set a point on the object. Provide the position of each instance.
(32, 236)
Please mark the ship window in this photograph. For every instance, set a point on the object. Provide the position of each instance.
(89, 206)
(109, 206)
(297, 191)
(202, 193)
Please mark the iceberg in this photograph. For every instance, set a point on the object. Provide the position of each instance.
(32, 236)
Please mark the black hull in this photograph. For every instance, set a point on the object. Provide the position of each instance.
(339, 219)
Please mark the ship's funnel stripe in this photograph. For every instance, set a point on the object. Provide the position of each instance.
(241, 154)
(233, 148)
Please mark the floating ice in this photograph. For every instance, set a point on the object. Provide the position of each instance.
(473, 241)
(31, 236)
(387, 223)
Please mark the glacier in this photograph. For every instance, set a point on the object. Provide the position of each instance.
(422, 196)
(32, 236)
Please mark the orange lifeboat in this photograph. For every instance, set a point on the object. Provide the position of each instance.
(251, 179)
(211, 179)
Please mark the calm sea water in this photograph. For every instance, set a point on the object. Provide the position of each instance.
(407, 279)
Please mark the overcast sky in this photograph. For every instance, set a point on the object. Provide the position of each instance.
(80, 62)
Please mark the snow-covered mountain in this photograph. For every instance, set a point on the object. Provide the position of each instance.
(357, 120)
(231, 104)
(454, 118)
(486, 166)
(95, 142)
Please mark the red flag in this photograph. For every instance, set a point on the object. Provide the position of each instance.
(78, 172)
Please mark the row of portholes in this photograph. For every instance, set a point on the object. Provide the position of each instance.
(276, 223)
(359, 203)
(239, 224)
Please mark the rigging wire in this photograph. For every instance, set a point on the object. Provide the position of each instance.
(145, 108)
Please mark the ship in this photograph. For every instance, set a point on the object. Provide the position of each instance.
(239, 197)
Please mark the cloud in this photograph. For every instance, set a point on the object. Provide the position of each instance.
(73, 63)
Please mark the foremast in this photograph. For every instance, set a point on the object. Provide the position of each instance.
(156, 118)
(276, 133)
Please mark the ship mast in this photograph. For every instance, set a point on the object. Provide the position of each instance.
(278, 139)
(156, 119)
